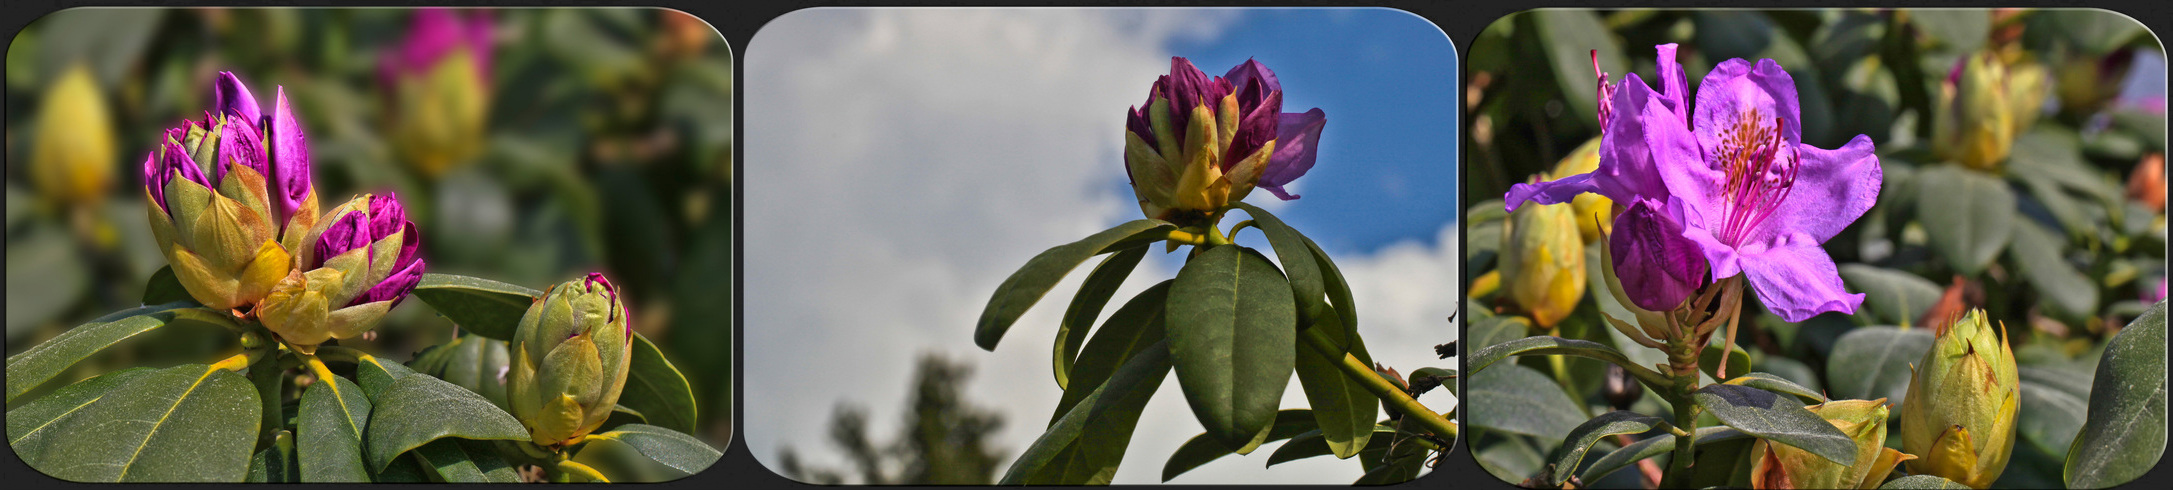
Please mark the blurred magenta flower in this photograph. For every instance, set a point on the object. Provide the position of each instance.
(438, 78)
(1734, 176)
(229, 230)
(1202, 142)
(355, 266)
(436, 35)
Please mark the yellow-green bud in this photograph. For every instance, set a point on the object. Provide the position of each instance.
(569, 361)
(1959, 417)
(1784, 466)
(2027, 86)
(1542, 261)
(1975, 124)
(441, 118)
(72, 160)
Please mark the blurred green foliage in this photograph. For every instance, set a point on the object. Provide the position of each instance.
(608, 148)
(2061, 239)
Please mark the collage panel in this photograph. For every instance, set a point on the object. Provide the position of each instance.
(1100, 245)
(368, 245)
(1831, 248)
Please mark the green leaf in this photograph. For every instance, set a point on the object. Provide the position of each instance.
(1548, 345)
(657, 390)
(1135, 327)
(42, 362)
(1025, 287)
(1648, 447)
(1922, 482)
(1778, 384)
(470, 361)
(277, 463)
(1087, 306)
(1201, 449)
(402, 470)
(1233, 339)
(1339, 290)
(187, 423)
(164, 288)
(1571, 35)
(1869, 363)
(1582, 438)
(1891, 297)
(1306, 285)
(672, 448)
(1520, 400)
(1310, 444)
(1778, 418)
(415, 410)
(329, 427)
(31, 419)
(1343, 410)
(1071, 453)
(481, 306)
(1709, 360)
(1955, 30)
(461, 461)
(377, 375)
(2037, 250)
(2126, 429)
(2057, 402)
(1399, 462)
(1967, 216)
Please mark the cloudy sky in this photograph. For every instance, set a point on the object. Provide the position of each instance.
(901, 162)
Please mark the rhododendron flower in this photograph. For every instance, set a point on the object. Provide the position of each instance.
(1201, 142)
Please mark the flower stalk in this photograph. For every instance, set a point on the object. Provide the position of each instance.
(1381, 388)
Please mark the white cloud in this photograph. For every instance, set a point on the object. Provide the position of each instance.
(901, 162)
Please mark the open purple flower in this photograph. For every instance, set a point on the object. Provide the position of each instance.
(1200, 142)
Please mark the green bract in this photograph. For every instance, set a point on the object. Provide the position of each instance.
(569, 361)
(1959, 417)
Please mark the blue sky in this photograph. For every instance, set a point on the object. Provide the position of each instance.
(901, 162)
(1387, 80)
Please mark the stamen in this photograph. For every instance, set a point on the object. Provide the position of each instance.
(1759, 176)
(1606, 93)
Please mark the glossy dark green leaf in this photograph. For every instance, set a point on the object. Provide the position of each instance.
(1891, 297)
(1339, 290)
(1343, 410)
(1777, 417)
(1870, 363)
(1967, 216)
(1306, 285)
(1086, 445)
(1582, 438)
(2059, 286)
(329, 432)
(1310, 444)
(1517, 399)
(1648, 447)
(415, 410)
(1778, 384)
(34, 417)
(164, 288)
(1135, 327)
(277, 463)
(1709, 360)
(42, 362)
(1201, 449)
(1922, 482)
(463, 461)
(1233, 339)
(1030, 282)
(481, 306)
(377, 374)
(1087, 306)
(188, 423)
(657, 389)
(2057, 402)
(1547, 345)
(672, 448)
(2125, 433)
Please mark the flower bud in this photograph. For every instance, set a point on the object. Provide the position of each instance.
(1959, 417)
(1200, 143)
(569, 362)
(1975, 125)
(1594, 212)
(439, 80)
(228, 208)
(71, 161)
(1784, 466)
(2087, 83)
(1542, 261)
(2027, 86)
(358, 264)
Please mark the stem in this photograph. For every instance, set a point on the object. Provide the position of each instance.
(1381, 388)
(1214, 236)
(1240, 226)
(1187, 238)
(582, 470)
(1684, 353)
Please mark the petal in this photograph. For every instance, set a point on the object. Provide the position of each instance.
(348, 232)
(290, 170)
(1674, 90)
(1736, 89)
(1550, 192)
(232, 97)
(240, 144)
(1832, 189)
(386, 215)
(393, 288)
(1258, 127)
(1796, 280)
(1297, 145)
(1628, 164)
(1245, 73)
(1720, 256)
(1658, 267)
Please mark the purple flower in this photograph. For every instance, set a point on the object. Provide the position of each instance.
(1750, 197)
(1200, 142)
(435, 34)
(242, 130)
(374, 225)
